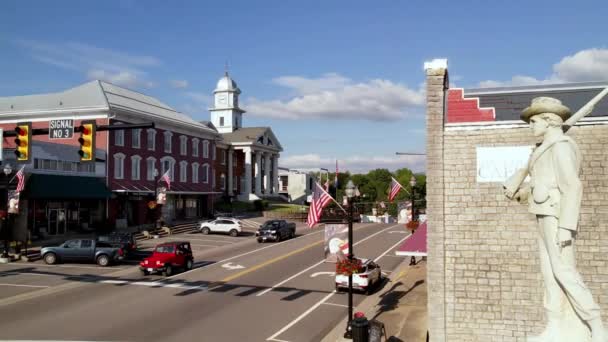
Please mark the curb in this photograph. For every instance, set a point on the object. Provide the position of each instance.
(368, 305)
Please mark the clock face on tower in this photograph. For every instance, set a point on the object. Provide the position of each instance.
(221, 99)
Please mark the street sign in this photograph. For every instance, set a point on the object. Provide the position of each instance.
(61, 129)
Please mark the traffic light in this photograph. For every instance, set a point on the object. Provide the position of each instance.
(23, 147)
(87, 141)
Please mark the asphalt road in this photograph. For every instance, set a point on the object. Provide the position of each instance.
(239, 291)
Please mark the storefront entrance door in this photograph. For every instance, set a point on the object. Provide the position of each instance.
(57, 221)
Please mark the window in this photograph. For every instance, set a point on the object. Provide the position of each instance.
(119, 166)
(205, 149)
(236, 122)
(86, 243)
(269, 142)
(195, 147)
(151, 139)
(223, 152)
(195, 172)
(150, 166)
(183, 145)
(135, 167)
(261, 140)
(168, 135)
(168, 163)
(206, 173)
(235, 180)
(223, 181)
(72, 244)
(119, 138)
(183, 171)
(136, 138)
(221, 121)
(214, 148)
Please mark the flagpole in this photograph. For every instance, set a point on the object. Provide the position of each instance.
(338, 204)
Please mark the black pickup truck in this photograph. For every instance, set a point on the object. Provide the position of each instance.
(276, 230)
(83, 250)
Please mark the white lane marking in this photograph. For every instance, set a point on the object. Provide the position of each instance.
(334, 304)
(393, 246)
(114, 281)
(312, 308)
(323, 260)
(201, 245)
(276, 340)
(231, 267)
(153, 284)
(240, 255)
(320, 273)
(21, 285)
(85, 267)
(397, 232)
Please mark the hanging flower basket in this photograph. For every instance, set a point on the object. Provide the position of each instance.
(346, 267)
(412, 225)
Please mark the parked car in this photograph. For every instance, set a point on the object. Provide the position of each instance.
(122, 240)
(368, 275)
(83, 250)
(276, 230)
(167, 257)
(221, 225)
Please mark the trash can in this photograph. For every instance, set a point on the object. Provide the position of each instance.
(360, 329)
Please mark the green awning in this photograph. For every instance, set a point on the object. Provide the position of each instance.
(41, 186)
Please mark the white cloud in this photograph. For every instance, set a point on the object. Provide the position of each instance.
(303, 85)
(584, 66)
(335, 97)
(179, 84)
(354, 164)
(94, 62)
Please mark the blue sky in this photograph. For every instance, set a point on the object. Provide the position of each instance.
(334, 79)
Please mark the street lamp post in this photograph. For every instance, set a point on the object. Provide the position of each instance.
(154, 215)
(6, 228)
(413, 184)
(350, 192)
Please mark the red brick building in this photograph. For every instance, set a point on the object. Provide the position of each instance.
(205, 161)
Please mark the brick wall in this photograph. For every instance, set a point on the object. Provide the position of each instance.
(484, 278)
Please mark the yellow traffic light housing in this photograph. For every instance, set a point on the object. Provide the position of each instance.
(87, 141)
(23, 147)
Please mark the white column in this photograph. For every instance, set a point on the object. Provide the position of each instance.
(275, 174)
(230, 173)
(267, 180)
(247, 189)
(258, 173)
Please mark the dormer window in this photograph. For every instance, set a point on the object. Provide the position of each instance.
(269, 142)
(261, 140)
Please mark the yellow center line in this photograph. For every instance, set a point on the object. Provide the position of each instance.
(271, 261)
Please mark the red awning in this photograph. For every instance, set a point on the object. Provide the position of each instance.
(415, 245)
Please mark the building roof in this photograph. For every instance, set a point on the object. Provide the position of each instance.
(509, 102)
(244, 135)
(98, 96)
(255, 136)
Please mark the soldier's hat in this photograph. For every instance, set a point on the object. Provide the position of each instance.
(546, 105)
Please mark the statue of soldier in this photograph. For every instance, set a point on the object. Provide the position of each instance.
(554, 195)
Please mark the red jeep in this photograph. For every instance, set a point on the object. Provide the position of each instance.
(167, 257)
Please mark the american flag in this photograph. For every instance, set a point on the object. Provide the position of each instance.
(21, 179)
(166, 178)
(320, 198)
(395, 187)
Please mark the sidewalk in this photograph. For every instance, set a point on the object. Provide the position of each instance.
(400, 305)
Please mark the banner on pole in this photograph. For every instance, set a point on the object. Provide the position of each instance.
(13, 202)
(336, 241)
(161, 195)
